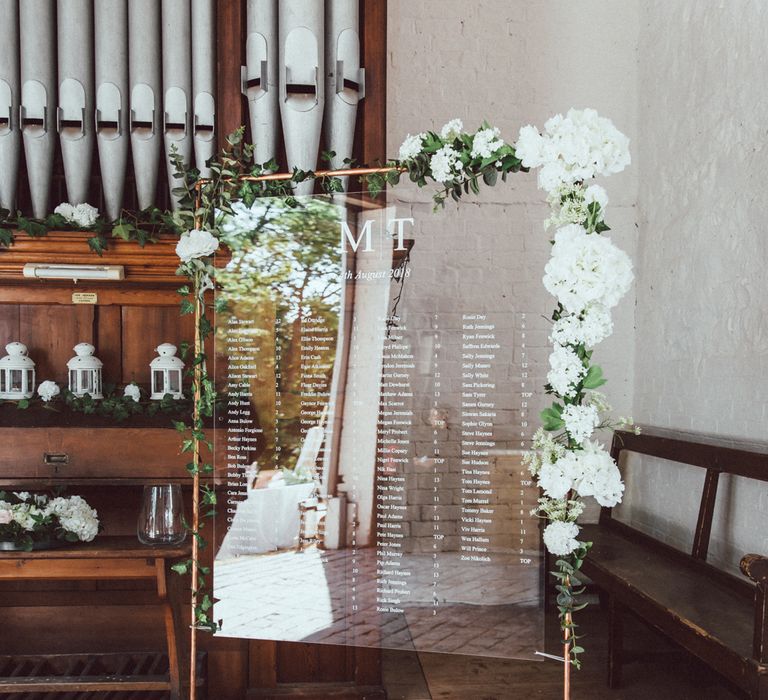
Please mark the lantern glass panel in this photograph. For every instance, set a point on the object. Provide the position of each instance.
(3, 375)
(174, 381)
(157, 380)
(96, 381)
(73, 380)
(16, 380)
(85, 382)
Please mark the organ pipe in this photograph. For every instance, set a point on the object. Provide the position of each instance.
(112, 111)
(37, 31)
(146, 90)
(10, 94)
(302, 86)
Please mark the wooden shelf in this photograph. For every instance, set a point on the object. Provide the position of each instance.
(38, 484)
(106, 548)
(37, 416)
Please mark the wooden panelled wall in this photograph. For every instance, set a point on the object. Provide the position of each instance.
(124, 335)
(127, 323)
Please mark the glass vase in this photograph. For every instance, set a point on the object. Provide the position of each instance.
(161, 518)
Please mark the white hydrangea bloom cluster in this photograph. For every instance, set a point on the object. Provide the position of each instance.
(445, 164)
(590, 471)
(38, 514)
(80, 215)
(560, 537)
(573, 148)
(451, 130)
(486, 143)
(75, 516)
(48, 389)
(590, 327)
(585, 269)
(132, 391)
(566, 370)
(411, 147)
(580, 421)
(197, 243)
(25, 514)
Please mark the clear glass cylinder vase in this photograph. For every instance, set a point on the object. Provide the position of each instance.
(161, 518)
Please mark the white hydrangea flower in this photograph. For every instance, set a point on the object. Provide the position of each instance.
(573, 148)
(451, 130)
(48, 389)
(56, 506)
(66, 210)
(589, 471)
(486, 143)
(75, 516)
(598, 475)
(82, 215)
(551, 176)
(445, 164)
(566, 370)
(85, 215)
(6, 514)
(593, 325)
(586, 268)
(22, 495)
(581, 421)
(132, 391)
(530, 147)
(411, 147)
(24, 515)
(556, 478)
(560, 538)
(196, 244)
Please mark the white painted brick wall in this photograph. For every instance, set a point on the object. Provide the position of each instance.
(702, 327)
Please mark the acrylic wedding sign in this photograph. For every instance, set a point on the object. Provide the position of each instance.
(368, 461)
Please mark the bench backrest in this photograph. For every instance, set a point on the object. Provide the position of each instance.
(717, 456)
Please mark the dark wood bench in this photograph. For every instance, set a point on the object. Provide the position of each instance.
(718, 617)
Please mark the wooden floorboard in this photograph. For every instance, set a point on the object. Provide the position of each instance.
(667, 676)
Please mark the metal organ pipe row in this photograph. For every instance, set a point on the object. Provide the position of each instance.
(87, 72)
(304, 55)
(10, 93)
(138, 77)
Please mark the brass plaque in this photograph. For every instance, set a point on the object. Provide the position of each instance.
(84, 298)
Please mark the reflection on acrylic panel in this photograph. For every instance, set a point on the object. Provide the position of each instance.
(368, 457)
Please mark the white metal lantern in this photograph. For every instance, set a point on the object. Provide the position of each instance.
(167, 370)
(17, 373)
(85, 372)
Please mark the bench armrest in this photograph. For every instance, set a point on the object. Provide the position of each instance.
(755, 567)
